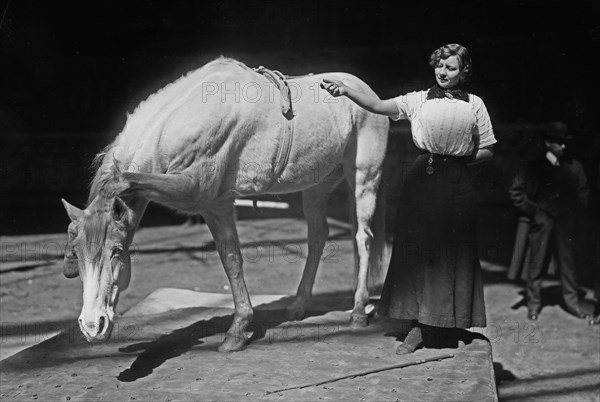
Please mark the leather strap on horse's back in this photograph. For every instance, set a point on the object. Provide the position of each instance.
(282, 85)
(287, 126)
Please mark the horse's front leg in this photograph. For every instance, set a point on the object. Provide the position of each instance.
(222, 227)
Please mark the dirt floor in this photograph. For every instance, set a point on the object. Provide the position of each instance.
(555, 358)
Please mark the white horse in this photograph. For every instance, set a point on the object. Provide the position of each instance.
(216, 134)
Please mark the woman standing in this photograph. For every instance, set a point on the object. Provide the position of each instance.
(434, 279)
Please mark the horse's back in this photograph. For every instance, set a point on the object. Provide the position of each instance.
(315, 107)
(224, 125)
(327, 129)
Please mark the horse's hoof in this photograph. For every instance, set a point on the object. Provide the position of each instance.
(295, 314)
(232, 343)
(358, 321)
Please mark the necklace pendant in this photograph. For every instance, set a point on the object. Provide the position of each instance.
(429, 170)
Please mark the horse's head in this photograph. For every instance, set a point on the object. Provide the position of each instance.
(97, 252)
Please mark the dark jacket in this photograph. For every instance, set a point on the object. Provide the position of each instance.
(557, 190)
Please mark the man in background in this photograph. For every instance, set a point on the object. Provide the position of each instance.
(549, 190)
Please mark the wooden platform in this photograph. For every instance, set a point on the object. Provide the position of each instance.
(165, 348)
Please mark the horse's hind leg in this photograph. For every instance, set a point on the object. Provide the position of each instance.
(222, 227)
(314, 204)
(363, 171)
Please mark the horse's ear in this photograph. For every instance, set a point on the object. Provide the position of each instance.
(120, 211)
(73, 212)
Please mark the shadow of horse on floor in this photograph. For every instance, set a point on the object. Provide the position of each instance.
(266, 317)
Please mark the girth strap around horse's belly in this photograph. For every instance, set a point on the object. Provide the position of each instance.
(287, 123)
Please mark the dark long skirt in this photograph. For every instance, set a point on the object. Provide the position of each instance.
(434, 275)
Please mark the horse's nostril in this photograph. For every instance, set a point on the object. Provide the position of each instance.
(101, 323)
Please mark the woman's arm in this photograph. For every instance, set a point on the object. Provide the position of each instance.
(481, 155)
(373, 104)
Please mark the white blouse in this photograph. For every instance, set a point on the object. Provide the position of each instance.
(446, 126)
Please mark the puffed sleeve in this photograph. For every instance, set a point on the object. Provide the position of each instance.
(407, 105)
(484, 124)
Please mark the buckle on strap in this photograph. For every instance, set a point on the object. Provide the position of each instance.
(280, 81)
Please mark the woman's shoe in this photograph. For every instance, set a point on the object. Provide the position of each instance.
(405, 349)
(413, 340)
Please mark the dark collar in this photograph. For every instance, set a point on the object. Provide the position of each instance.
(436, 92)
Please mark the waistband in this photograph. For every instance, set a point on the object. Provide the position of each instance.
(442, 157)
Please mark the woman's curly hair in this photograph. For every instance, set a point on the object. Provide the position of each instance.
(464, 59)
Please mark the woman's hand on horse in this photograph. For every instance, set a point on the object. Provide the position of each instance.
(334, 87)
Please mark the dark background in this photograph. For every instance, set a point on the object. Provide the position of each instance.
(71, 71)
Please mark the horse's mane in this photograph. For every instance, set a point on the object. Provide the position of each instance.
(107, 172)
(173, 91)
(104, 183)
(106, 175)
(95, 233)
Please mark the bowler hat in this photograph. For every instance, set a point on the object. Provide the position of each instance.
(557, 131)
